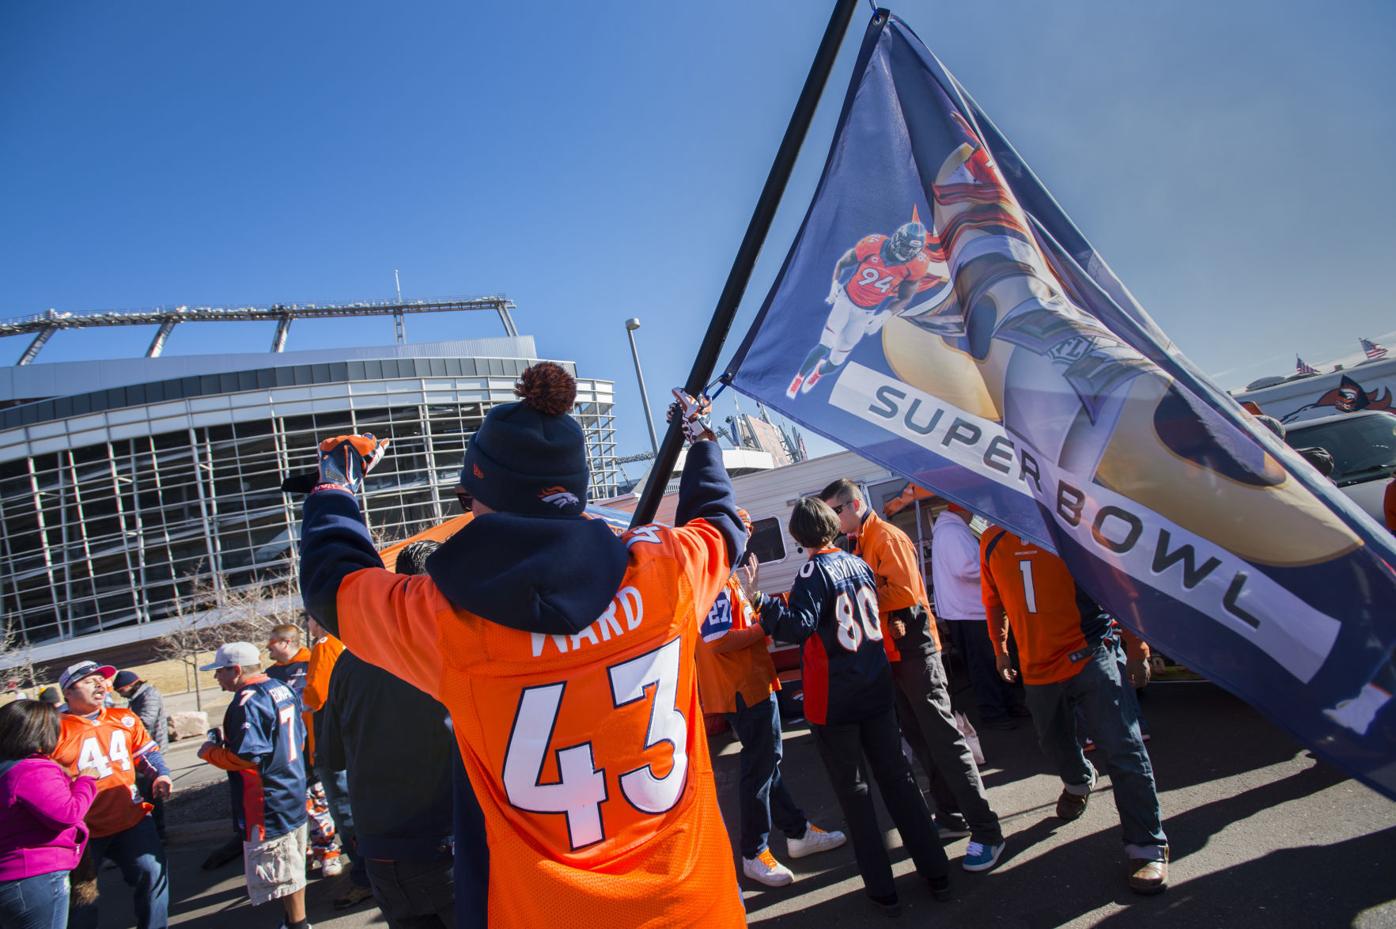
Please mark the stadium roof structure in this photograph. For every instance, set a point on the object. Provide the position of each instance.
(44, 325)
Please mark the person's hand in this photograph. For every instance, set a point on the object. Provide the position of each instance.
(897, 627)
(90, 772)
(161, 787)
(746, 576)
(833, 292)
(345, 459)
(1138, 673)
(212, 739)
(1004, 663)
(692, 414)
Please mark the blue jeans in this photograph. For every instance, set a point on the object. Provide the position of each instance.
(140, 855)
(763, 795)
(1112, 714)
(38, 902)
(336, 784)
(991, 694)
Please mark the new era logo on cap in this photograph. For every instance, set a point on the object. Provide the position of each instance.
(82, 669)
(242, 654)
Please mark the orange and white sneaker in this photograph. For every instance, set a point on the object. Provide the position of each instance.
(764, 869)
(814, 841)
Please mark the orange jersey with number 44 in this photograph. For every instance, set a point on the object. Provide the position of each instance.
(113, 744)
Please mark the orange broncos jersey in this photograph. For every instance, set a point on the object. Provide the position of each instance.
(1055, 624)
(112, 743)
(892, 556)
(748, 670)
(874, 280)
(587, 752)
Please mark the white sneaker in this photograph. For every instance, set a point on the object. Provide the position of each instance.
(764, 869)
(814, 840)
(333, 867)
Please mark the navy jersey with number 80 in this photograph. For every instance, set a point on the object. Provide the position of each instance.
(833, 613)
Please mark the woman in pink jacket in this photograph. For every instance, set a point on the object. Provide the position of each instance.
(41, 811)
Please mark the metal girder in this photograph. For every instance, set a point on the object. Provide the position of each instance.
(283, 328)
(509, 328)
(275, 313)
(44, 335)
(157, 344)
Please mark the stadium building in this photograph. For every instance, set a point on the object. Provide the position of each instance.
(128, 485)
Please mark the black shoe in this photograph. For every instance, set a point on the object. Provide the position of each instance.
(889, 905)
(940, 888)
(1070, 806)
(223, 854)
(949, 828)
(353, 895)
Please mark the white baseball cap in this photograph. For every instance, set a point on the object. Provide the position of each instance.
(242, 654)
(82, 669)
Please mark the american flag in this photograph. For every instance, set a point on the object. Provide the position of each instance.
(1372, 349)
(1301, 367)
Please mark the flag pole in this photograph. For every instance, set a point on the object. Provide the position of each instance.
(756, 230)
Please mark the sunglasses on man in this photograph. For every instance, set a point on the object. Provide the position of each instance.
(465, 498)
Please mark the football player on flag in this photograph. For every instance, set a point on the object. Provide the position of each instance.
(874, 279)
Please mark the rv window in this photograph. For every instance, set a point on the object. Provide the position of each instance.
(766, 540)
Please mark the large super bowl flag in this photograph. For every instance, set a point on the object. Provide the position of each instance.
(939, 313)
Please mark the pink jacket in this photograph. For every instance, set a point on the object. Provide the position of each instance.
(41, 812)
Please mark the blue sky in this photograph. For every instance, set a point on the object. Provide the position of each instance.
(599, 161)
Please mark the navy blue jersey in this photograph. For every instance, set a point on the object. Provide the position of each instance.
(292, 673)
(263, 725)
(833, 612)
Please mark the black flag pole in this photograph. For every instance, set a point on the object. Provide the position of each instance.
(756, 230)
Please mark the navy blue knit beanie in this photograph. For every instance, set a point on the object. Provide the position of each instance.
(530, 457)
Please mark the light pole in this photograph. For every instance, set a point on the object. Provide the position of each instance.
(630, 326)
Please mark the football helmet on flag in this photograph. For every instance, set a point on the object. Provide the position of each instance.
(906, 243)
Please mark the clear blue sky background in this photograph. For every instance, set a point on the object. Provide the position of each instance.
(595, 161)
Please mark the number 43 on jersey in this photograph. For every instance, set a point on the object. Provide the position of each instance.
(581, 786)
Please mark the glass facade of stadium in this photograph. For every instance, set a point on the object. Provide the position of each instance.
(117, 503)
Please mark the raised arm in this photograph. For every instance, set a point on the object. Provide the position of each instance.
(386, 619)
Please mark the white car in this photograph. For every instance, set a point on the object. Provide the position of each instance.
(1363, 446)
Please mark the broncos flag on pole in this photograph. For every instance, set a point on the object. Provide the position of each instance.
(940, 314)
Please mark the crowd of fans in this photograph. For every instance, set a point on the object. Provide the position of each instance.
(425, 662)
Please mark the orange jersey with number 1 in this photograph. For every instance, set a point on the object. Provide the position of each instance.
(587, 752)
(1056, 625)
(112, 744)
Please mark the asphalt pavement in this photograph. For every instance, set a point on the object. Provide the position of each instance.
(1262, 834)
